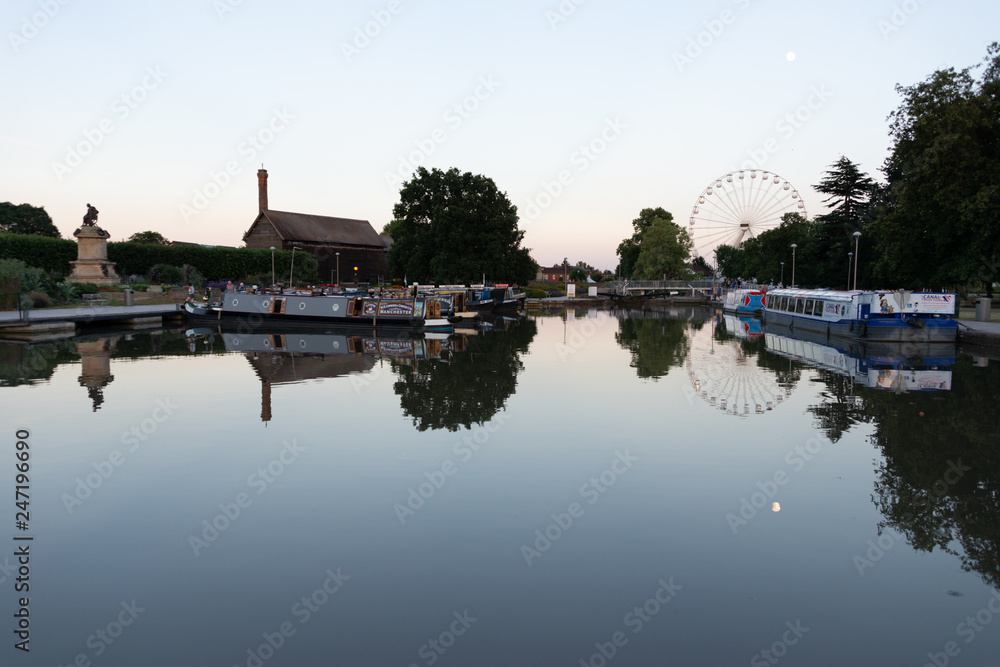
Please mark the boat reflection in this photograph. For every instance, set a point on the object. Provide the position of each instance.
(880, 365)
(742, 326)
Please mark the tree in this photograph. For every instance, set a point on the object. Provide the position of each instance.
(455, 227)
(629, 248)
(664, 250)
(149, 237)
(578, 275)
(26, 219)
(849, 190)
(761, 256)
(597, 276)
(940, 223)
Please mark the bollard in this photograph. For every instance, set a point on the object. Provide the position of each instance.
(983, 309)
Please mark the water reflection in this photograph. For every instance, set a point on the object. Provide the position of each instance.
(658, 341)
(469, 386)
(936, 482)
(724, 368)
(939, 481)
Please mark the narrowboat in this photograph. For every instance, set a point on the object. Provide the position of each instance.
(745, 301)
(300, 309)
(876, 316)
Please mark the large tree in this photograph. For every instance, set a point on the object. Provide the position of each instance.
(628, 249)
(940, 224)
(26, 219)
(663, 252)
(848, 191)
(455, 227)
(155, 238)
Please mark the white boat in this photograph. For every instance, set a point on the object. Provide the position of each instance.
(877, 315)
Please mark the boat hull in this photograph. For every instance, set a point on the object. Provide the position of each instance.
(264, 310)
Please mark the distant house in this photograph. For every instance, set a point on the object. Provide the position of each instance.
(356, 241)
(552, 273)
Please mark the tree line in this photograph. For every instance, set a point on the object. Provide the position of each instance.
(934, 223)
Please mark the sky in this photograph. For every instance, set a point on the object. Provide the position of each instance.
(584, 112)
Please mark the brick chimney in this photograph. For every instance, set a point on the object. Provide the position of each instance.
(262, 188)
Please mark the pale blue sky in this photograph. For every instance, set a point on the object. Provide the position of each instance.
(197, 85)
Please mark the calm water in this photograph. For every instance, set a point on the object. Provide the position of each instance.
(571, 489)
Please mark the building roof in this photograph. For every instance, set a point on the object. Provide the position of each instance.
(320, 229)
(387, 240)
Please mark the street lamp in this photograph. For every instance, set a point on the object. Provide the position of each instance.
(857, 236)
(291, 269)
(272, 266)
(338, 269)
(782, 281)
(355, 276)
(794, 246)
(849, 255)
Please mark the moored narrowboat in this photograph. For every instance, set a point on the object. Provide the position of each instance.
(877, 315)
(256, 309)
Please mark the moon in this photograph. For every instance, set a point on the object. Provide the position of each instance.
(790, 56)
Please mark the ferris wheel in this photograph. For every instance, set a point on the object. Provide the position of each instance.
(729, 379)
(738, 206)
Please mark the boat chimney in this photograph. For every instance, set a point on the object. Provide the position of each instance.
(262, 188)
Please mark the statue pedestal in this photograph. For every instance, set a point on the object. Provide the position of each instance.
(92, 265)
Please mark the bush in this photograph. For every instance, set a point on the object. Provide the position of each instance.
(39, 299)
(535, 293)
(77, 290)
(169, 275)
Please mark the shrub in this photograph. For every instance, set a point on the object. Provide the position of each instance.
(169, 274)
(39, 299)
(79, 289)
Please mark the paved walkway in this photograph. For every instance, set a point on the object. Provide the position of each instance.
(86, 314)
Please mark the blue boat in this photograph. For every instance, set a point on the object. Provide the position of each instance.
(878, 316)
(742, 301)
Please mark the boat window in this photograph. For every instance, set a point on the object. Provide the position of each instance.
(799, 303)
(818, 308)
(784, 303)
(809, 307)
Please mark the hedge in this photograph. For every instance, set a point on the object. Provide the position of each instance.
(43, 252)
(213, 263)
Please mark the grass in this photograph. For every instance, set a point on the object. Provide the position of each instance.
(970, 314)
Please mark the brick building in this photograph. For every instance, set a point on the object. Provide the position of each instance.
(356, 240)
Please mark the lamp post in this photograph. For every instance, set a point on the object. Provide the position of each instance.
(794, 246)
(782, 281)
(291, 269)
(338, 269)
(849, 255)
(355, 276)
(272, 266)
(857, 237)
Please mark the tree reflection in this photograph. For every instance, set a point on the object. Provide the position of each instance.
(842, 406)
(471, 386)
(657, 345)
(939, 483)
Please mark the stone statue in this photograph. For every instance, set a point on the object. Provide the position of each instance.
(90, 220)
(154, 276)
